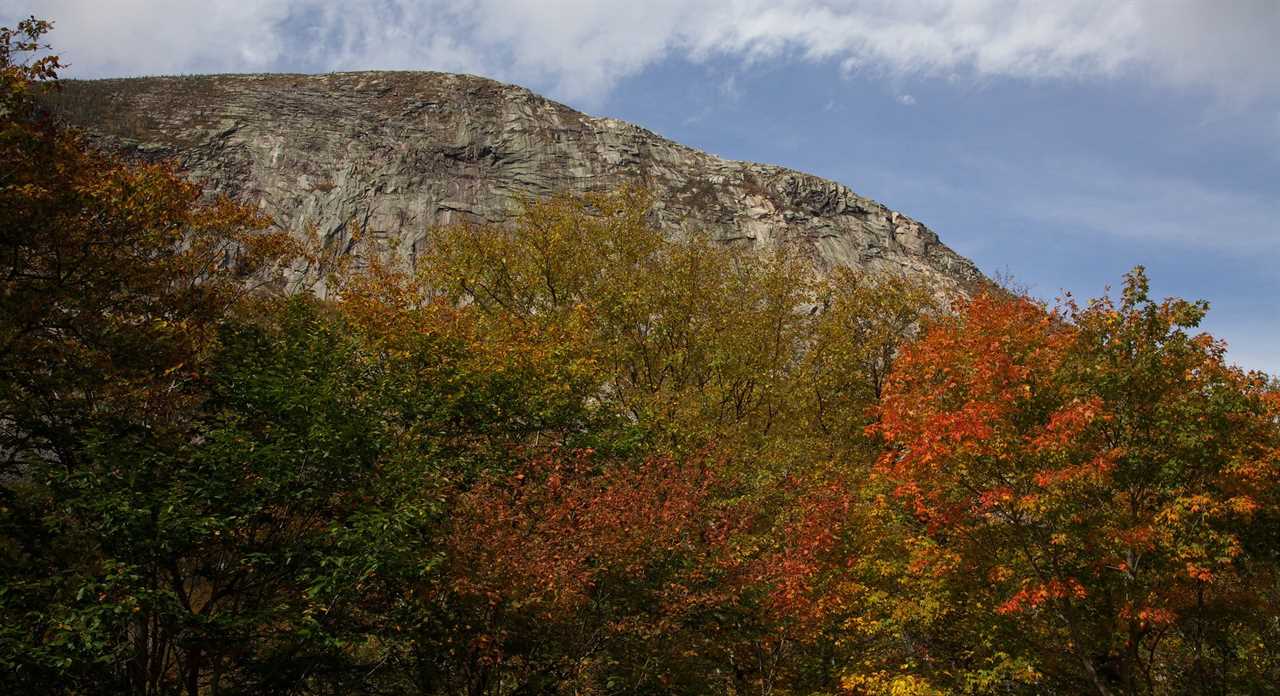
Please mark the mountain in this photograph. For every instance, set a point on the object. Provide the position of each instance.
(399, 153)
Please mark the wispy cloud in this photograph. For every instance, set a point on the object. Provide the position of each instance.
(1084, 197)
(1162, 208)
(582, 48)
(730, 89)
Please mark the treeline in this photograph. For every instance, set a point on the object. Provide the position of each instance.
(573, 456)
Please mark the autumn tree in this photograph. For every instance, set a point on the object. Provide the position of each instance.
(112, 273)
(862, 324)
(115, 280)
(1093, 486)
(696, 340)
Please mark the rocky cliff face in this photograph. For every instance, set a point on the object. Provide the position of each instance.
(399, 153)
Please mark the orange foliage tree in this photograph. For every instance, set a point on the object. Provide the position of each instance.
(1094, 485)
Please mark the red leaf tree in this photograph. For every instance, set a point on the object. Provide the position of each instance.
(1094, 482)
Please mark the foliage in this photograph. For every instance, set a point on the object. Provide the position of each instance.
(1092, 484)
(697, 341)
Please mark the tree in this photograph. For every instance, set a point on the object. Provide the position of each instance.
(1091, 484)
(114, 280)
(864, 322)
(113, 274)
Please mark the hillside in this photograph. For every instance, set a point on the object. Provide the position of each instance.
(402, 152)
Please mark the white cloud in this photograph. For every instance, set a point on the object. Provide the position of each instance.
(581, 48)
(133, 36)
(906, 100)
(1092, 195)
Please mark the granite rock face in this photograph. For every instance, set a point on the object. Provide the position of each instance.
(400, 153)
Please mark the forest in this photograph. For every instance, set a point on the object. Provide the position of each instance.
(571, 455)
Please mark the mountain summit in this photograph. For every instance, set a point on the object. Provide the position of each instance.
(399, 153)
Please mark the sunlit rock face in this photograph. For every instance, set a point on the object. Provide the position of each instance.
(399, 153)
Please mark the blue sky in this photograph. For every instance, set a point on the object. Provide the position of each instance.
(1060, 142)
